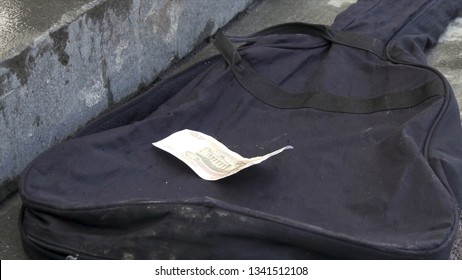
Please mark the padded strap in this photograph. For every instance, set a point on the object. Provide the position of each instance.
(272, 94)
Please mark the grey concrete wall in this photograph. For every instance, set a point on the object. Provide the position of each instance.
(94, 58)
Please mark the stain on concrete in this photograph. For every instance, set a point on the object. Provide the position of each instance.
(208, 29)
(5, 119)
(19, 65)
(3, 81)
(107, 83)
(165, 20)
(37, 121)
(60, 38)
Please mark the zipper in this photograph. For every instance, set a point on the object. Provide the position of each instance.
(53, 250)
(49, 250)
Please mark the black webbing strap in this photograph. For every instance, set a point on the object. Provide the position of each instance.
(346, 38)
(272, 94)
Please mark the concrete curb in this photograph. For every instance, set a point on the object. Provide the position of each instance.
(94, 58)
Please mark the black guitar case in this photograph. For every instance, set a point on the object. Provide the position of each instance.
(376, 169)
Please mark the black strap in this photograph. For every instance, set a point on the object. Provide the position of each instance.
(346, 38)
(275, 96)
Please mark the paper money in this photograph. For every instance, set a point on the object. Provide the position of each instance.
(209, 158)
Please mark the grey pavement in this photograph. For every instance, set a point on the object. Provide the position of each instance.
(446, 57)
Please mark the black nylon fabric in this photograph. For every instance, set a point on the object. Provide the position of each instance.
(410, 27)
(378, 185)
(273, 95)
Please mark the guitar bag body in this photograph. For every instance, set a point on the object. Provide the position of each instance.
(375, 173)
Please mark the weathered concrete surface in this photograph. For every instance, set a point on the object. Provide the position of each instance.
(21, 21)
(97, 56)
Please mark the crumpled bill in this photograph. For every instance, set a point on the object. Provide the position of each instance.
(206, 156)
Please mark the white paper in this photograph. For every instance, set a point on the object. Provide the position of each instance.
(209, 158)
